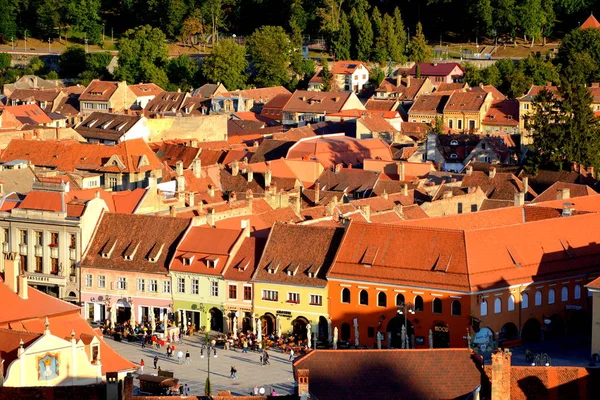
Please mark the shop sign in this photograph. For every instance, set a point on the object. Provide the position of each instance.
(283, 313)
(438, 328)
(570, 307)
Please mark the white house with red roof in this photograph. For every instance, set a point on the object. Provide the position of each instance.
(348, 76)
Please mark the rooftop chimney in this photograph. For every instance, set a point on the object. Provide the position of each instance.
(501, 374)
(250, 175)
(469, 170)
(525, 185)
(11, 270)
(447, 194)
(172, 211)
(492, 172)
(245, 224)
(401, 171)
(211, 190)
(235, 167)
(568, 209)
(385, 195)
(210, 218)
(197, 168)
(563, 194)
(519, 198)
(302, 376)
(152, 182)
(180, 183)
(179, 168)
(23, 287)
(191, 199)
(405, 190)
(317, 192)
(268, 176)
(408, 81)
(367, 211)
(338, 168)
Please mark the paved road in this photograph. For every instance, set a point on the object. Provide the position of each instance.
(278, 375)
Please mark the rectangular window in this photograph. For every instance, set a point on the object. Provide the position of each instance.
(73, 268)
(526, 106)
(54, 266)
(233, 292)
(39, 265)
(370, 332)
(88, 280)
(459, 124)
(39, 238)
(247, 292)
(6, 235)
(101, 281)
(53, 239)
(270, 295)
(195, 286)
(181, 285)
(72, 241)
(166, 286)
(214, 288)
(293, 298)
(141, 285)
(23, 236)
(122, 283)
(153, 286)
(24, 263)
(316, 300)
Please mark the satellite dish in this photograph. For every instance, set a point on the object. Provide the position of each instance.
(547, 321)
(261, 391)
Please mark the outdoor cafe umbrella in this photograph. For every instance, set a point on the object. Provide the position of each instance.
(165, 323)
(259, 330)
(132, 321)
(113, 316)
(152, 319)
(308, 335)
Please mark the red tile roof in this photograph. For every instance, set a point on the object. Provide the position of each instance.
(465, 101)
(381, 105)
(171, 153)
(496, 94)
(28, 114)
(69, 155)
(401, 374)
(590, 22)
(259, 95)
(99, 90)
(376, 124)
(575, 190)
(281, 262)
(149, 240)
(503, 113)
(246, 260)
(305, 101)
(429, 104)
(10, 343)
(146, 89)
(428, 69)
(201, 247)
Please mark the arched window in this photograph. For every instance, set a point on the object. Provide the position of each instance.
(345, 295)
(538, 298)
(456, 308)
(577, 292)
(498, 305)
(437, 306)
(564, 294)
(524, 300)
(511, 303)
(483, 307)
(364, 298)
(382, 299)
(399, 299)
(551, 296)
(418, 303)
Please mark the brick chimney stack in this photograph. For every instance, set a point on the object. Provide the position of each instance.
(563, 194)
(401, 171)
(525, 185)
(11, 271)
(179, 168)
(235, 168)
(197, 168)
(492, 172)
(302, 378)
(501, 374)
(317, 193)
(469, 170)
(519, 198)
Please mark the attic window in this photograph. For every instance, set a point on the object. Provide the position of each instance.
(130, 251)
(108, 248)
(120, 127)
(369, 257)
(291, 270)
(91, 124)
(453, 156)
(272, 269)
(187, 259)
(155, 252)
(454, 143)
(242, 267)
(106, 125)
(509, 117)
(212, 261)
(313, 271)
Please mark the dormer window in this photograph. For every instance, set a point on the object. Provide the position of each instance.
(130, 252)
(108, 248)
(453, 155)
(212, 262)
(454, 143)
(271, 268)
(187, 259)
(91, 124)
(155, 252)
(369, 257)
(106, 125)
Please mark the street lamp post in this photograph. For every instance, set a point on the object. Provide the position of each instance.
(210, 347)
(405, 309)
(49, 48)
(541, 359)
(25, 40)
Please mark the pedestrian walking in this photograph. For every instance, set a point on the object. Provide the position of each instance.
(159, 370)
(255, 392)
(262, 361)
(245, 347)
(142, 366)
(232, 372)
(180, 356)
(155, 361)
(266, 357)
(143, 342)
(291, 354)
(187, 357)
(181, 390)
(169, 351)
(186, 389)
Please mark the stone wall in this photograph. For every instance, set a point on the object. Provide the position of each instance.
(205, 128)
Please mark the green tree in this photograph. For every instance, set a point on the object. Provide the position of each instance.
(226, 64)
(418, 49)
(473, 75)
(519, 84)
(330, 16)
(5, 60)
(545, 132)
(269, 48)
(438, 126)
(343, 40)
(481, 13)
(86, 19)
(376, 76)
(176, 12)
(491, 76)
(143, 56)
(48, 16)
(506, 17)
(400, 32)
(192, 27)
(364, 34)
(72, 61)
(326, 77)
(298, 15)
(181, 72)
(539, 69)
(579, 54)
(8, 19)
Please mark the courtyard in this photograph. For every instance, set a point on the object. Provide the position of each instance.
(278, 375)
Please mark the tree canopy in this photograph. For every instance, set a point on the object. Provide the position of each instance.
(227, 64)
(269, 48)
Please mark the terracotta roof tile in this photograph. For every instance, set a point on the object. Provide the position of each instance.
(99, 90)
(425, 374)
(146, 89)
(282, 263)
(305, 101)
(465, 101)
(348, 180)
(381, 105)
(28, 114)
(119, 235)
(259, 95)
(107, 126)
(377, 124)
(429, 104)
(428, 69)
(590, 22)
(246, 260)
(171, 153)
(575, 190)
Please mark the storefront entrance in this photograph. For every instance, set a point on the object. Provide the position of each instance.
(394, 330)
(441, 336)
(52, 290)
(299, 327)
(267, 324)
(216, 320)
